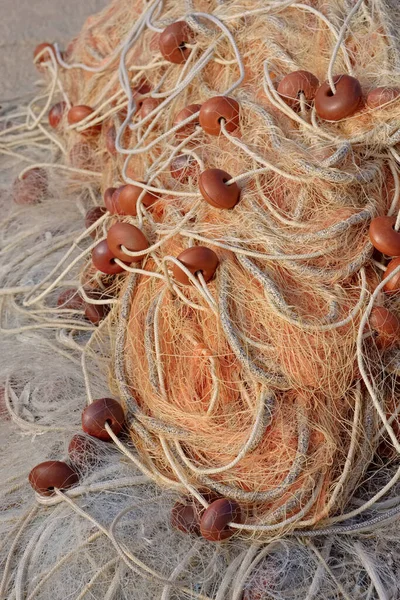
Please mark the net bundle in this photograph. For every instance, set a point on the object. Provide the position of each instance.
(232, 326)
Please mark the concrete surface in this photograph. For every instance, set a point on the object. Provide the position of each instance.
(26, 23)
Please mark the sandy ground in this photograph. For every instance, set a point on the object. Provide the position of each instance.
(26, 23)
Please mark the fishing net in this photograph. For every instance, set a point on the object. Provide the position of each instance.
(199, 239)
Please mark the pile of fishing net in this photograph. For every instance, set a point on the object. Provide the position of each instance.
(199, 313)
